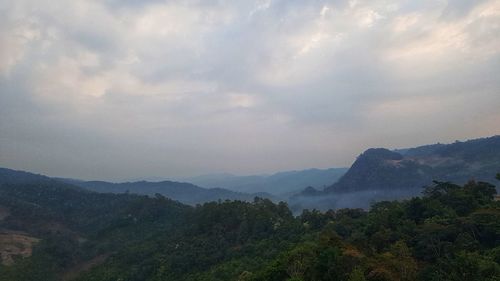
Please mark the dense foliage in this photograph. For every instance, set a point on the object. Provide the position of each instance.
(452, 232)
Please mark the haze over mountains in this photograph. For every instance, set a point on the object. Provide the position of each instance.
(205, 188)
(382, 174)
(186, 193)
(183, 192)
(276, 187)
(282, 183)
(215, 187)
(377, 174)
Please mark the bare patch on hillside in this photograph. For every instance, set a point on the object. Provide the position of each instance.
(15, 245)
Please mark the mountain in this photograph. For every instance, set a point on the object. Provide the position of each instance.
(382, 174)
(281, 183)
(410, 169)
(186, 193)
(382, 169)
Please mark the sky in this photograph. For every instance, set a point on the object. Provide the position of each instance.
(116, 90)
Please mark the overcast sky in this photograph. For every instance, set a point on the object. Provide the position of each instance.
(118, 90)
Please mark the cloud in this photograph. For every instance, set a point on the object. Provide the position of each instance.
(124, 89)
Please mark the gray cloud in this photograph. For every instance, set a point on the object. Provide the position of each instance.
(127, 89)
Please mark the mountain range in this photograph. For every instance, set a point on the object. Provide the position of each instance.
(377, 174)
(201, 189)
(282, 183)
(183, 192)
(186, 193)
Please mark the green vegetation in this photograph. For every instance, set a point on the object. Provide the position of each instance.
(452, 232)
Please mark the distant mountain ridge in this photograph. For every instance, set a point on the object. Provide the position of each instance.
(186, 193)
(281, 183)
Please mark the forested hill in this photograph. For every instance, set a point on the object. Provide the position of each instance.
(54, 231)
(410, 169)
